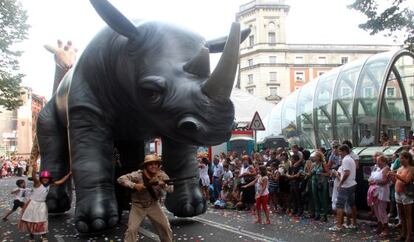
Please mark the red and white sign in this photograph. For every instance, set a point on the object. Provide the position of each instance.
(256, 123)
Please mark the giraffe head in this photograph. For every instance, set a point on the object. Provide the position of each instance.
(65, 56)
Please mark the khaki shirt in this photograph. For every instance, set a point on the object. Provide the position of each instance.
(143, 197)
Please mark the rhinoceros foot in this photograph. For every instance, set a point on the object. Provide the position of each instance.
(95, 211)
(186, 201)
(58, 199)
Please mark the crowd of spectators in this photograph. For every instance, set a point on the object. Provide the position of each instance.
(12, 166)
(298, 183)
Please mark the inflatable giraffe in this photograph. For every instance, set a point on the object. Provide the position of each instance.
(65, 57)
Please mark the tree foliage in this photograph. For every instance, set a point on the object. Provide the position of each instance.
(13, 29)
(395, 18)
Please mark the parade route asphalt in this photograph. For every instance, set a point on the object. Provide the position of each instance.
(215, 225)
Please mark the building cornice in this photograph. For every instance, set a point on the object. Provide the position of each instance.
(271, 84)
(254, 5)
(318, 48)
(290, 65)
(340, 47)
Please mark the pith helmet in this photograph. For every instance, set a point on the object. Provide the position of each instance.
(152, 158)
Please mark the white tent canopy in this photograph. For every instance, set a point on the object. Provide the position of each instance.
(246, 105)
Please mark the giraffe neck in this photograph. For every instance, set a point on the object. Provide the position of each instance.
(59, 74)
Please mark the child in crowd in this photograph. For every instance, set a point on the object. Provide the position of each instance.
(227, 179)
(262, 193)
(221, 202)
(204, 178)
(21, 193)
(274, 189)
(227, 187)
(235, 195)
(4, 170)
(34, 215)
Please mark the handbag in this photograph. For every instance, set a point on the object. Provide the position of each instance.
(409, 189)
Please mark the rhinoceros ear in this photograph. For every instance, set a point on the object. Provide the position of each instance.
(115, 19)
(217, 45)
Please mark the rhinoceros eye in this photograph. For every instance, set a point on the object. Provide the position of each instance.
(152, 89)
(151, 96)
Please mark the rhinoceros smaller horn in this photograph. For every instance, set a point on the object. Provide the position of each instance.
(115, 19)
(200, 64)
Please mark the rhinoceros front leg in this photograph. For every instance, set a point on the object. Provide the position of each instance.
(179, 160)
(91, 147)
(52, 140)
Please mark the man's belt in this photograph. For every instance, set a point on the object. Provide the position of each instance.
(144, 204)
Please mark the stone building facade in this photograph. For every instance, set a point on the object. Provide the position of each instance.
(26, 120)
(270, 67)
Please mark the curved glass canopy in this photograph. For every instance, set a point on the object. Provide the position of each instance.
(375, 95)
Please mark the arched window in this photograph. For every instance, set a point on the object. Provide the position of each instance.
(272, 37)
(251, 36)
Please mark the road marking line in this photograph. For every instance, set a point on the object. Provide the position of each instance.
(241, 232)
(149, 234)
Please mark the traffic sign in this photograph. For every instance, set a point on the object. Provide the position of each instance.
(256, 123)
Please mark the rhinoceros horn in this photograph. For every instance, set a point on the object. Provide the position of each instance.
(115, 19)
(220, 83)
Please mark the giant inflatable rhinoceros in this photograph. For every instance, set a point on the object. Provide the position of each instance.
(133, 83)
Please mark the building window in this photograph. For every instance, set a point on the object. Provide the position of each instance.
(273, 91)
(250, 79)
(299, 60)
(344, 60)
(272, 59)
(322, 60)
(251, 40)
(272, 76)
(299, 76)
(250, 62)
(346, 92)
(368, 92)
(250, 90)
(390, 92)
(272, 37)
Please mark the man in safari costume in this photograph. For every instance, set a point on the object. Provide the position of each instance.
(148, 185)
